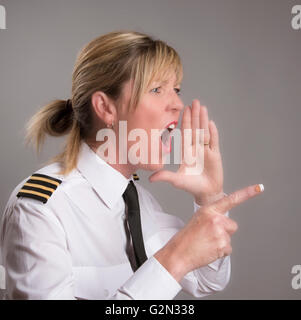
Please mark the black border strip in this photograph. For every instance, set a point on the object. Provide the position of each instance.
(33, 196)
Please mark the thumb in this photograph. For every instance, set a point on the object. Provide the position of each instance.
(163, 175)
(232, 200)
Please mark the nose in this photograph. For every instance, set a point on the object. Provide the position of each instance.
(176, 104)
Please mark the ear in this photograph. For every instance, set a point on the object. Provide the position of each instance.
(104, 107)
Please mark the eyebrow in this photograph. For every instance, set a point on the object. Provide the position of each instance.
(165, 82)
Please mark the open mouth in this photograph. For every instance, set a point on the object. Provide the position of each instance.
(166, 136)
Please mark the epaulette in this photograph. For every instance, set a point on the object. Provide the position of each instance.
(39, 187)
(135, 176)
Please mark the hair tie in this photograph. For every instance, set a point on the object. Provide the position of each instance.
(69, 105)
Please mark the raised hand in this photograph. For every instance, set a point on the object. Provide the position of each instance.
(207, 184)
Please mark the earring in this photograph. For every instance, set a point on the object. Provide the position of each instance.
(112, 125)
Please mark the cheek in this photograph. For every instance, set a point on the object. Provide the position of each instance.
(147, 117)
(149, 113)
(145, 120)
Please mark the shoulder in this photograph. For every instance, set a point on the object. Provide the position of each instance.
(39, 186)
(42, 188)
(32, 203)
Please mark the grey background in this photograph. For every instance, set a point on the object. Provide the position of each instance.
(241, 58)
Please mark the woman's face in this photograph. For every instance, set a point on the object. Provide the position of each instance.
(159, 107)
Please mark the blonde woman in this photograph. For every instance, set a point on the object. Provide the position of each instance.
(80, 227)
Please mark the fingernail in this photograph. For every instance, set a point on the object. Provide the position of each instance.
(259, 188)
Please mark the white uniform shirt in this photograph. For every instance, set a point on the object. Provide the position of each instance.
(74, 245)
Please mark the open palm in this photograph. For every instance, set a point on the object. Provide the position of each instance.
(206, 181)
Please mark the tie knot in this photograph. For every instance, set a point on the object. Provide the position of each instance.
(130, 187)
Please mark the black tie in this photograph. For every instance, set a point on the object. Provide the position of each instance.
(130, 197)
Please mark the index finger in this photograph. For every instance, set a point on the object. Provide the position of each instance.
(204, 123)
(232, 200)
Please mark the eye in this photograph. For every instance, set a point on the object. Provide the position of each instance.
(155, 89)
(178, 91)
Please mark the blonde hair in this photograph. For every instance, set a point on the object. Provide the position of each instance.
(104, 64)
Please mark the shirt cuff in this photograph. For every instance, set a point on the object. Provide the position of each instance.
(151, 282)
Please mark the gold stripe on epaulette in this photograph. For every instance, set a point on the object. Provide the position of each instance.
(46, 180)
(38, 186)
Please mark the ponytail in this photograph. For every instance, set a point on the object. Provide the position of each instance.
(56, 119)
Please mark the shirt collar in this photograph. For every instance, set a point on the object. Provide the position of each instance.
(109, 183)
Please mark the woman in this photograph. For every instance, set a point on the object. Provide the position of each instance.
(80, 228)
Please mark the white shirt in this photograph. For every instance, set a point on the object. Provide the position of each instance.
(73, 246)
